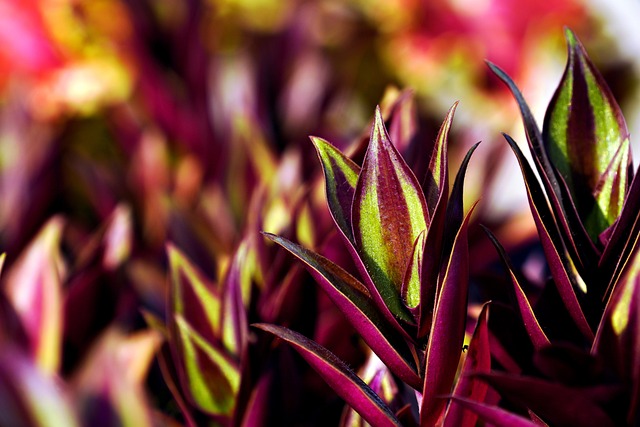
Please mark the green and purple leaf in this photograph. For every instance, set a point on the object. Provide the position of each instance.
(552, 244)
(192, 295)
(447, 331)
(570, 226)
(529, 320)
(554, 402)
(34, 288)
(210, 376)
(411, 284)
(618, 337)
(388, 213)
(341, 176)
(233, 320)
(587, 140)
(352, 298)
(339, 377)
(436, 185)
(478, 359)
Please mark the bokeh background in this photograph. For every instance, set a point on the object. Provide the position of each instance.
(142, 122)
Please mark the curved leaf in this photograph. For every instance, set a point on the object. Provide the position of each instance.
(588, 141)
(554, 402)
(551, 242)
(494, 415)
(478, 359)
(388, 213)
(339, 377)
(537, 335)
(341, 176)
(447, 331)
(352, 298)
(34, 289)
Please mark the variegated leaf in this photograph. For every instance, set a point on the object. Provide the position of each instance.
(388, 213)
(588, 141)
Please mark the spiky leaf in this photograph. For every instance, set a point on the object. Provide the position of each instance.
(447, 331)
(352, 299)
(388, 213)
(339, 376)
(588, 141)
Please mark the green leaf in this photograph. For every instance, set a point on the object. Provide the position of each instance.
(212, 379)
(341, 176)
(388, 213)
(192, 295)
(588, 141)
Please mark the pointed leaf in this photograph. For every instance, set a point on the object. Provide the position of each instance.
(571, 227)
(586, 135)
(537, 335)
(554, 402)
(494, 415)
(551, 243)
(212, 379)
(388, 214)
(34, 289)
(437, 180)
(618, 338)
(192, 296)
(233, 319)
(446, 223)
(339, 377)
(352, 298)
(447, 331)
(341, 176)
(478, 359)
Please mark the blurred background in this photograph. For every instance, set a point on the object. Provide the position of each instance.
(187, 121)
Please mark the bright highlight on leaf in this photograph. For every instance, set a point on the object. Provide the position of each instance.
(389, 212)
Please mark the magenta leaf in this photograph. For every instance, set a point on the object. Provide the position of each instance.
(478, 359)
(446, 222)
(494, 415)
(552, 243)
(339, 377)
(388, 213)
(352, 298)
(537, 335)
(447, 331)
(555, 403)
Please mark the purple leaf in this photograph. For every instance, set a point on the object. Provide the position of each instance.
(388, 213)
(537, 335)
(339, 377)
(556, 403)
(494, 415)
(341, 176)
(478, 359)
(447, 331)
(551, 243)
(588, 141)
(352, 298)
(442, 231)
